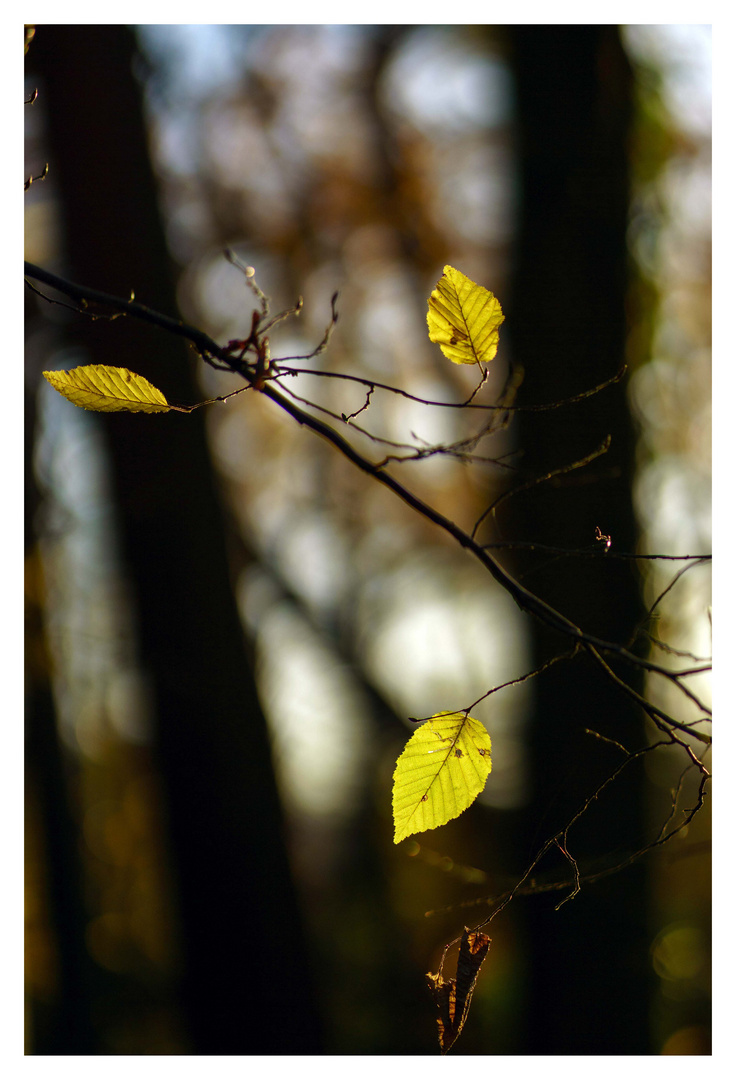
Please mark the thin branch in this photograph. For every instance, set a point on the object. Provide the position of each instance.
(468, 403)
(41, 176)
(525, 599)
(503, 686)
(535, 888)
(671, 651)
(363, 407)
(250, 280)
(659, 717)
(561, 471)
(674, 581)
(591, 552)
(205, 346)
(561, 841)
(524, 678)
(674, 731)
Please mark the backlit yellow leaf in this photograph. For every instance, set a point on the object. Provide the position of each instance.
(463, 319)
(108, 389)
(442, 769)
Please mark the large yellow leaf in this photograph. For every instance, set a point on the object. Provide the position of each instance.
(443, 767)
(463, 319)
(108, 389)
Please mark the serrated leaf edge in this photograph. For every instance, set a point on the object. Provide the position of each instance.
(121, 390)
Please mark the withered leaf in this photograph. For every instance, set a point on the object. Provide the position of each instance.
(452, 996)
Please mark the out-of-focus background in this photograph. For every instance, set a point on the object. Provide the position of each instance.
(228, 626)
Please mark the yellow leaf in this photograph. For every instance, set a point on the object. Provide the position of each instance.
(443, 767)
(108, 389)
(463, 319)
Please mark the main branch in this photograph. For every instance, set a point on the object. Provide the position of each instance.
(211, 352)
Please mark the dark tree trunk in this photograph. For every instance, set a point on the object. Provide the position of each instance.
(64, 1024)
(246, 987)
(587, 962)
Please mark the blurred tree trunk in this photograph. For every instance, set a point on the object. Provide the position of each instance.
(246, 986)
(588, 962)
(63, 1024)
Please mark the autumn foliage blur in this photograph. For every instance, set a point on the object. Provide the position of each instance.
(229, 626)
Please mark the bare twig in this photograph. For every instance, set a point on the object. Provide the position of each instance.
(534, 888)
(41, 176)
(586, 553)
(208, 348)
(267, 376)
(285, 368)
(561, 471)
